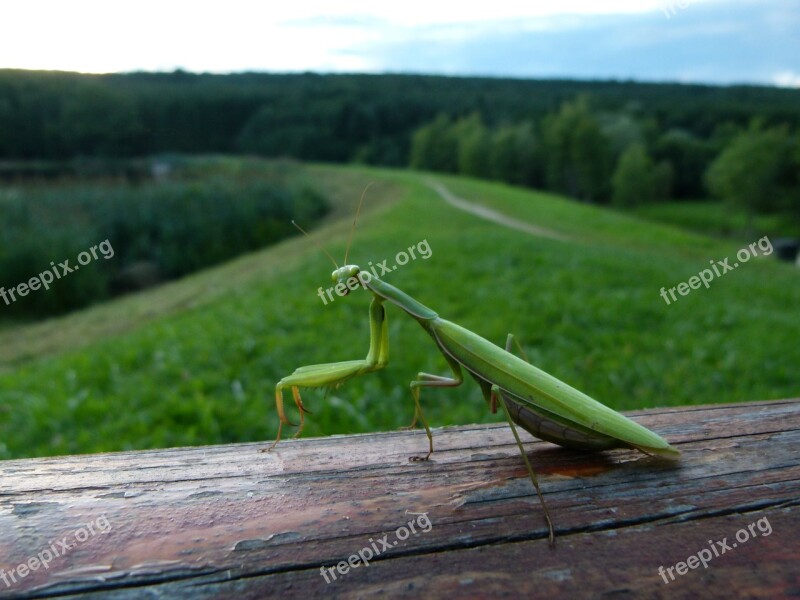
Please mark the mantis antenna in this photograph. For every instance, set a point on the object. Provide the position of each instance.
(303, 231)
(355, 220)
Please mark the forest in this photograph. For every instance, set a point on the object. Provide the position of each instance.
(601, 141)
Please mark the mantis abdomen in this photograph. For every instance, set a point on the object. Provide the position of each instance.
(549, 427)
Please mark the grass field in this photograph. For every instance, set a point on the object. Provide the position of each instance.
(196, 361)
(716, 218)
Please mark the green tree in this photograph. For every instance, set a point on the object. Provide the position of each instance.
(754, 172)
(637, 179)
(473, 141)
(690, 156)
(578, 154)
(793, 196)
(434, 147)
(621, 130)
(514, 155)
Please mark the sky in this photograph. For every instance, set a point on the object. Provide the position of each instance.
(708, 41)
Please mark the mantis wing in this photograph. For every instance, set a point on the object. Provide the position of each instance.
(542, 404)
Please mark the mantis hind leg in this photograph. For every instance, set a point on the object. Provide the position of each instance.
(428, 380)
(498, 395)
(513, 340)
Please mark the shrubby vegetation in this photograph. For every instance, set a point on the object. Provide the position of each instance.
(197, 216)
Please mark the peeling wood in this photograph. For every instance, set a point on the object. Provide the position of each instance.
(228, 520)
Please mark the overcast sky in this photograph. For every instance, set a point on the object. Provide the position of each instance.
(716, 41)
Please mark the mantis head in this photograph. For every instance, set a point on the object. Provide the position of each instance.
(347, 276)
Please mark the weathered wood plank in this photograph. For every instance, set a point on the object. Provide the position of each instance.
(224, 520)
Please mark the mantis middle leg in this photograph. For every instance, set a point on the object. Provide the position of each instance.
(428, 380)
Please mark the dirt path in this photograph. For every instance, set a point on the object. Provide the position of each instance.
(494, 216)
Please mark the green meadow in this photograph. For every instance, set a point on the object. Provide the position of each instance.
(195, 361)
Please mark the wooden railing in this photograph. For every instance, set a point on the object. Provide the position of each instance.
(335, 516)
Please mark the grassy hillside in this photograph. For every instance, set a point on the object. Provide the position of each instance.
(715, 218)
(196, 361)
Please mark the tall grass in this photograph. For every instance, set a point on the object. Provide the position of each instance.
(159, 230)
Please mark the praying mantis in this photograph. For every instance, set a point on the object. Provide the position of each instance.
(529, 397)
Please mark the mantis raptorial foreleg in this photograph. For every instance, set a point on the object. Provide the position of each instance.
(334, 374)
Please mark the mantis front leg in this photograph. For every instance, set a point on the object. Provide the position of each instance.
(334, 374)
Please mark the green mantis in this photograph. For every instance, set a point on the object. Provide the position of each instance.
(529, 397)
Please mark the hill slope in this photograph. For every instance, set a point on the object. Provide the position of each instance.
(196, 361)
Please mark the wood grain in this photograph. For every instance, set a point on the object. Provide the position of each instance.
(222, 521)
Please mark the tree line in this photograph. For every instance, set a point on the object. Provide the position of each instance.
(339, 118)
(621, 157)
(599, 141)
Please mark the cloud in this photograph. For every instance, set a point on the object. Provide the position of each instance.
(790, 79)
(704, 42)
